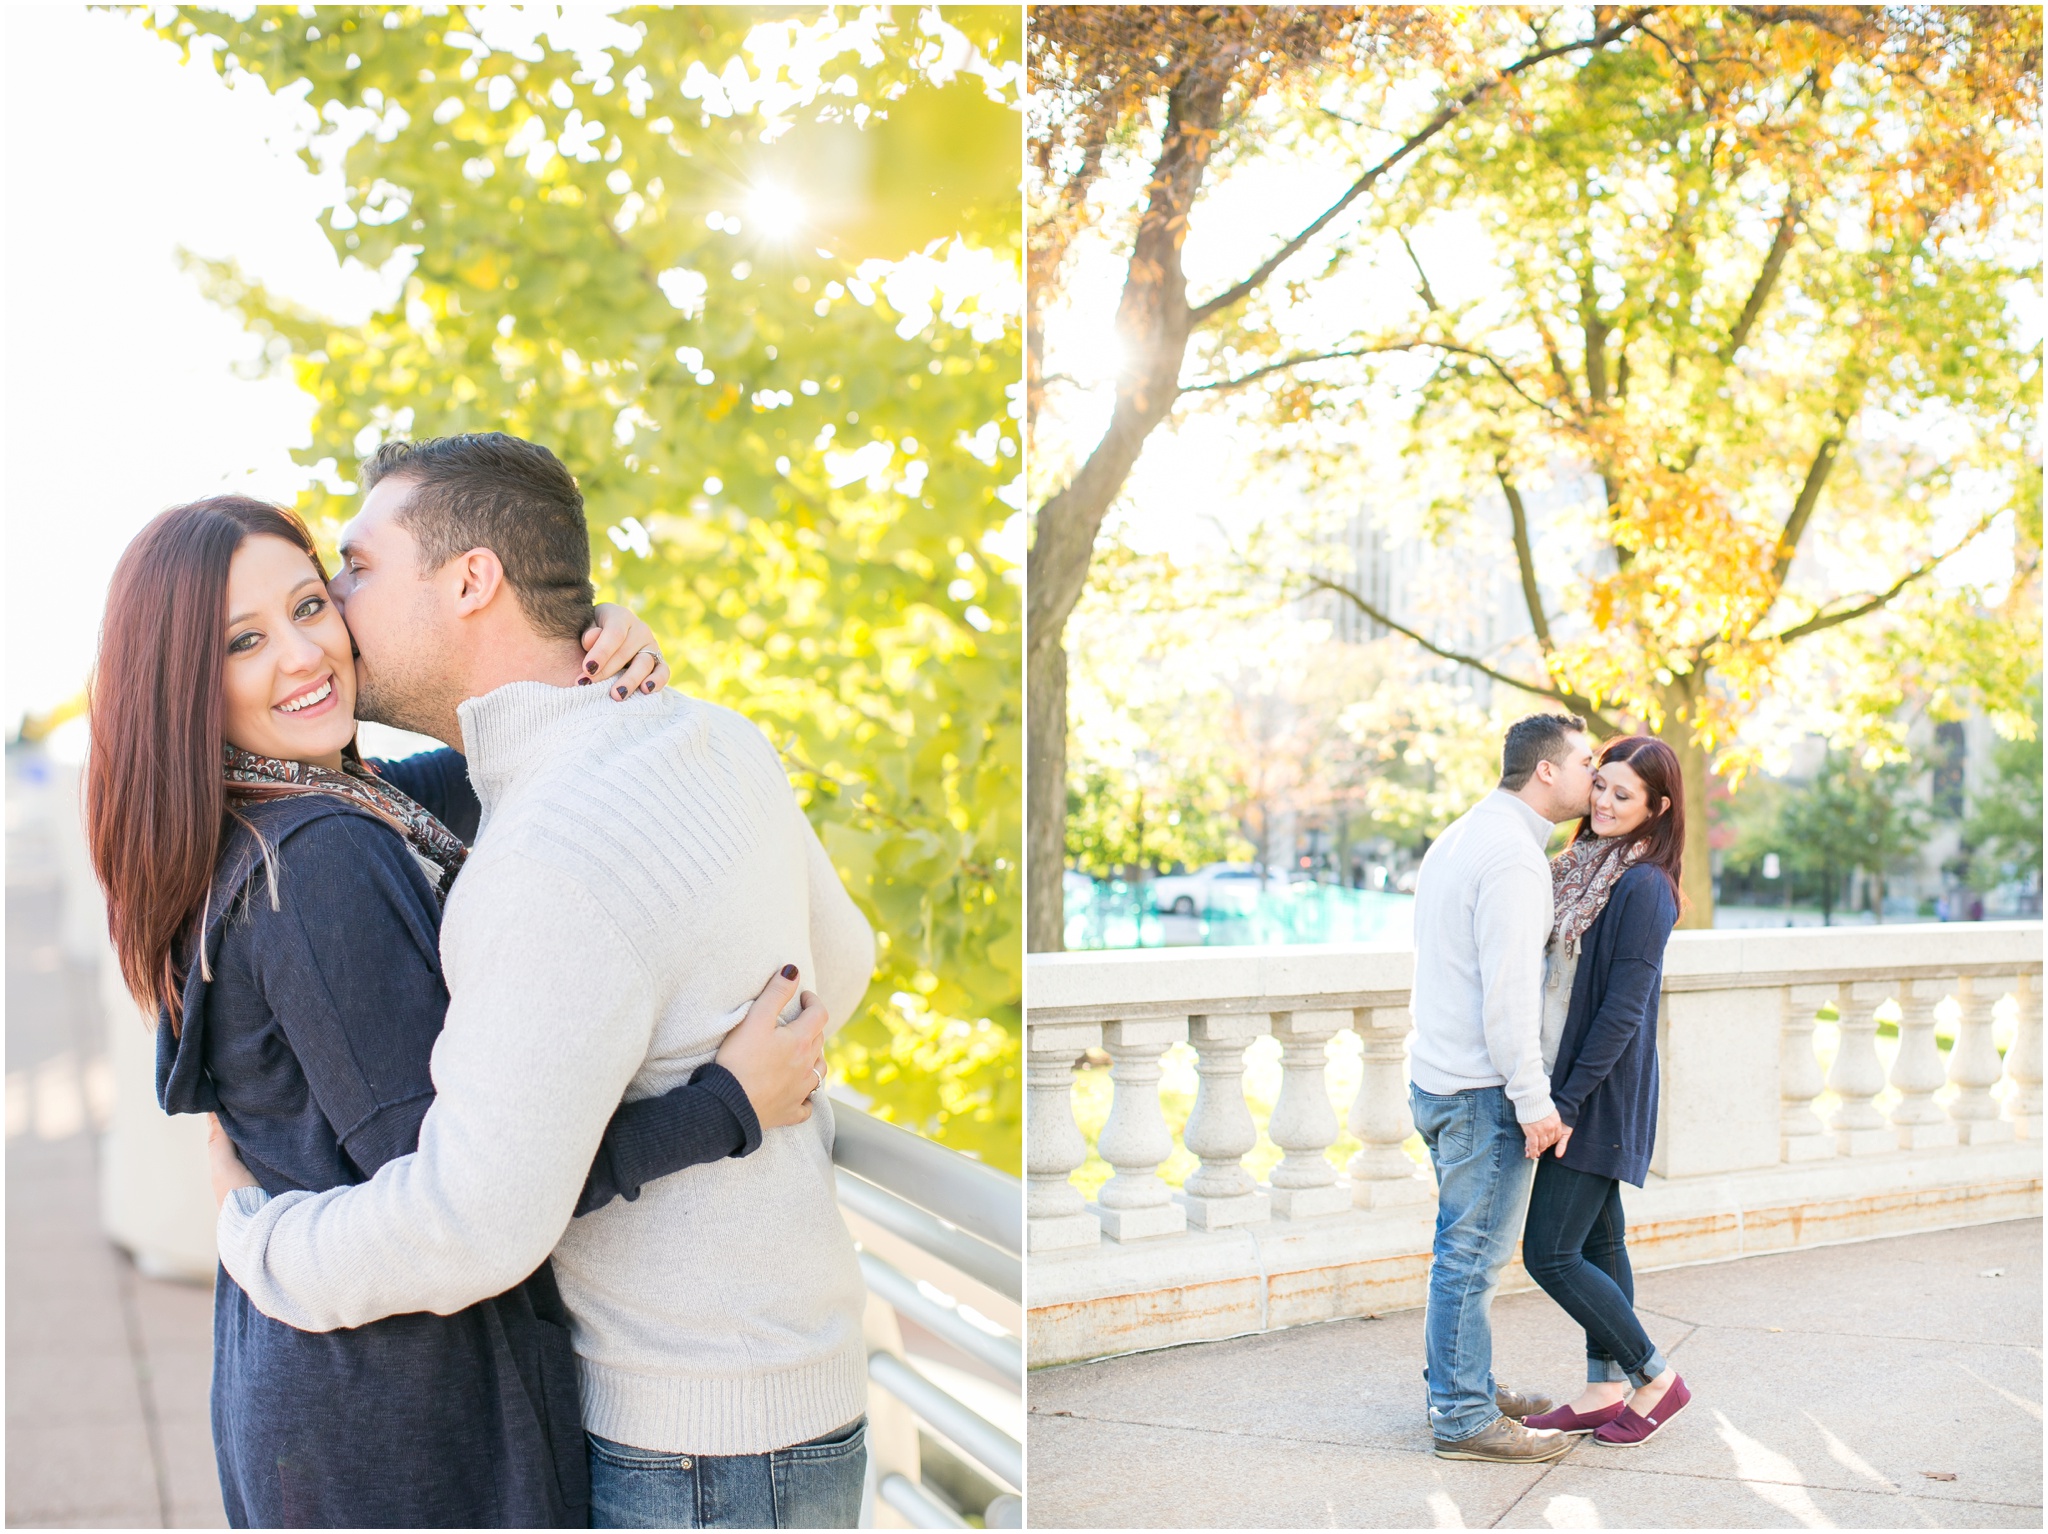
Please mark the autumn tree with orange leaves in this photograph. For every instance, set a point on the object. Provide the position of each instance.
(1757, 274)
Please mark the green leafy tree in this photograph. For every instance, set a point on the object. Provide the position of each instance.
(1152, 814)
(2006, 816)
(753, 275)
(1850, 817)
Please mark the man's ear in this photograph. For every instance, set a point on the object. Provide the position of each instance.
(479, 578)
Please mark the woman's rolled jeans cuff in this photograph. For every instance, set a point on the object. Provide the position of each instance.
(1605, 1371)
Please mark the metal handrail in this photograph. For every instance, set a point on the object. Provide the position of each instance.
(950, 1244)
(918, 1505)
(1002, 1353)
(971, 1218)
(965, 1426)
(959, 1190)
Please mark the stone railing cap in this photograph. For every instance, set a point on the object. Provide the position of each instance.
(1195, 980)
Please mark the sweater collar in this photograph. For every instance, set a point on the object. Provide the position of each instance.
(507, 730)
(1538, 828)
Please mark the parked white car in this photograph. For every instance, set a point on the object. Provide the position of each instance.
(1224, 889)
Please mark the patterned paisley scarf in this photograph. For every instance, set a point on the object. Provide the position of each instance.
(263, 777)
(1581, 878)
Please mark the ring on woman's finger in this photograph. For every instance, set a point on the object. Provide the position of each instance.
(650, 650)
(815, 1071)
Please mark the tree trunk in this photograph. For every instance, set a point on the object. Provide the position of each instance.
(1045, 817)
(1697, 877)
(1153, 320)
(1696, 881)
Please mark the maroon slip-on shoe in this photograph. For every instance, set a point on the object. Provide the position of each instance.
(1563, 1419)
(1633, 1427)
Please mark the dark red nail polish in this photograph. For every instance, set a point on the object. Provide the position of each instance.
(647, 686)
(620, 694)
(789, 972)
(583, 681)
(590, 665)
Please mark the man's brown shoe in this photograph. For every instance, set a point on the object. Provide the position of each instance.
(1509, 1403)
(1505, 1441)
(1520, 1403)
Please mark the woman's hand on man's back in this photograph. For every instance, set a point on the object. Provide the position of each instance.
(223, 1163)
(779, 1065)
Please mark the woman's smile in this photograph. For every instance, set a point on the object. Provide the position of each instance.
(313, 699)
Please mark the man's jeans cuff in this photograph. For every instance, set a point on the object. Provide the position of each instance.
(1604, 1371)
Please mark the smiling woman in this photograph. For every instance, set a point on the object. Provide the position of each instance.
(174, 681)
(288, 686)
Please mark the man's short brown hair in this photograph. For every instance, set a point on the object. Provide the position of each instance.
(1539, 738)
(494, 491)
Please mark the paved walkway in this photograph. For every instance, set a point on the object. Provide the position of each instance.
(107, 1371)
(1888, 1384)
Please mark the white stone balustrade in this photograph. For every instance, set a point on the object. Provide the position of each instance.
(1134, 1203)
(2023, 1062)
(1973, 1064)
(1758, 1147)
(1382, 1175)
(1857, 1076)
(1917, 1073)
(1803, 1136)
(1304, 1124)
(1220, 1192)
(1055, 1214)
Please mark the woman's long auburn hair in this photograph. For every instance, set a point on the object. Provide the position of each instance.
(1663, 835)
(156, 802)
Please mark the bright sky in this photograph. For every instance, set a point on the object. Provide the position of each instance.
(121, 391)
(1190, 480)
(121, 399)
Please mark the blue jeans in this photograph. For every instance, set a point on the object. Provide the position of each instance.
(1482, 1176)
(1576, 1247)
(814, 1485)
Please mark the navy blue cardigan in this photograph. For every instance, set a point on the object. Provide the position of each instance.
(309, 1034)
(1604, 1084)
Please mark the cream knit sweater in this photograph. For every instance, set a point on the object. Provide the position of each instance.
(642, 869)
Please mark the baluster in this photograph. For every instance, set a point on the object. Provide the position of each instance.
(1916, 1069)
(1134, 1203)
(1220, 1130)
(2023, 1062)
(1973, 1063)
(1381, 1173)
(1057, 1216)
(1801, 1135)
(1857, 1076)
(1304, 1124)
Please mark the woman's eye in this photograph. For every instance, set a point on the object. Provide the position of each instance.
(310, 606)
(242, 643)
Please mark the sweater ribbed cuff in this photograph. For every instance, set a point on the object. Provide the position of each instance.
(725, 1086)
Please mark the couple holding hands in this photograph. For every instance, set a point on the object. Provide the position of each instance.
(1533, 1077)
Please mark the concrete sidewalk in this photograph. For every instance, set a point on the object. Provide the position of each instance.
(1887, 1384)
(107, 1371)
